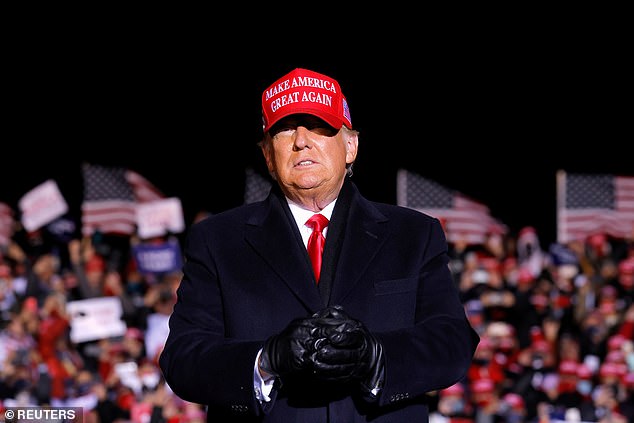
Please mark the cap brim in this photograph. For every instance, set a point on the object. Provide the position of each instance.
(331, 120)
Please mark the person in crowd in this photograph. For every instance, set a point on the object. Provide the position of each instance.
(266, 328)
(53, 327)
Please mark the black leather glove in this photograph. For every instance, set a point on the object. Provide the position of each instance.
(337, 345)
(288, 351)
(345, 350)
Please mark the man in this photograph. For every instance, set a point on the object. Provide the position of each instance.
(260, 333)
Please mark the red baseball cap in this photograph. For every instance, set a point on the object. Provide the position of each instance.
(305, 91)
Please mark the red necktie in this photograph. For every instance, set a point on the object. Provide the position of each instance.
(316, 241)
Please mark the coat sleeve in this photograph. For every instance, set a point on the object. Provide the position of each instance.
(199, 363)
(437, 350)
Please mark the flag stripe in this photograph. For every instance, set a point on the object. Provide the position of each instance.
(110, 198)
(594, 204)
(142, 189)
(463, 218)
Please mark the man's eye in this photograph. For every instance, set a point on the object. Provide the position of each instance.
(284, 130)
(324, 131)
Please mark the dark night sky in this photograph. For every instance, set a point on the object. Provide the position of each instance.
(493, 120)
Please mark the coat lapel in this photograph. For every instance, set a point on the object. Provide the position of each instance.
(274, 235)
(361, 235)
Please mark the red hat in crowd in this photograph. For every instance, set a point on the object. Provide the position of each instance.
(584, 371)
(612, 370)
(538, 340)
(598, 241)
(568, 367)
(616, 341)
(568, 376)
(525, 276)
(305, 91)
(482, 391)
(489, 263)
(482, 386)
(626, 266)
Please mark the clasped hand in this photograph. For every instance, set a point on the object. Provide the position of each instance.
(330, 344)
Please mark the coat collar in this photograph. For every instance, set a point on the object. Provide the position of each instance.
(355, 235)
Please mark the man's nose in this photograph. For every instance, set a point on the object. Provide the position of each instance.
(302, 138)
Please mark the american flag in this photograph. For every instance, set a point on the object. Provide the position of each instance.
(463, 218)
(256, 187)
(6, 224)
(589, 204)
(110, 198)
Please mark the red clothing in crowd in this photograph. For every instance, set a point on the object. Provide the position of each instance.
(50, 330)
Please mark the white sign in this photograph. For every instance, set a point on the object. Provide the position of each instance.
(157, 218)
(95, 318)
(42, 205)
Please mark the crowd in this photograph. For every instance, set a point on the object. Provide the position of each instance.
(556, 327)
(113, 379)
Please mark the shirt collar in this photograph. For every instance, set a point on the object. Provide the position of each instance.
(302, 215)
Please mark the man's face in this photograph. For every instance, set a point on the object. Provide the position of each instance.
(308, 157)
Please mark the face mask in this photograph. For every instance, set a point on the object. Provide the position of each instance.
(84, 388)
(584, 387)
(457, 407)
(150, 380)
(537, 361)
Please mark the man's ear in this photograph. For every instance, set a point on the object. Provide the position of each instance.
(352, 145)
